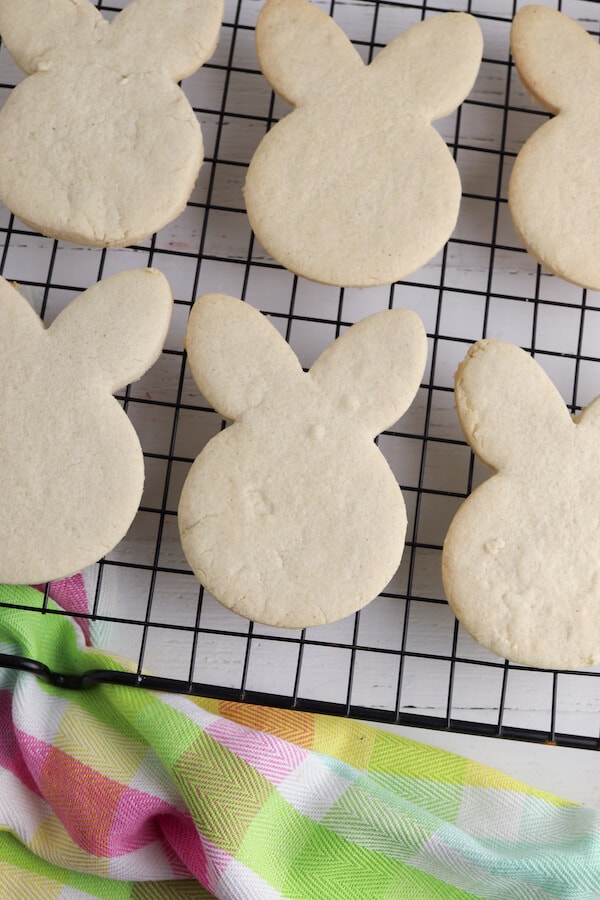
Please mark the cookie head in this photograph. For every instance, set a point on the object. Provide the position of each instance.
(72, 469)
(355, 187)
(99, 145)
(554, 188)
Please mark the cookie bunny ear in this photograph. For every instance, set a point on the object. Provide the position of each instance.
(175, 37)
(544, 43)
(119, 325)
(36, 30)
(436, 61)
(375, 367)
(506, 404)
(301, 50)
(236, 356)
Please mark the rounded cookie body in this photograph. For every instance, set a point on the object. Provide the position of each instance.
(520, 565)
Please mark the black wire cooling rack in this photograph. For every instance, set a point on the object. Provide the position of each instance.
(403, 659)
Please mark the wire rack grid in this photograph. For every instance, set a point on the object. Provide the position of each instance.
(403, 659)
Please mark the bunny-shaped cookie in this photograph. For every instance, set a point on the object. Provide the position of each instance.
(355, 187)
(520, 564)
(292, 516)
(71, 465)
(554, 188)
(99, 145)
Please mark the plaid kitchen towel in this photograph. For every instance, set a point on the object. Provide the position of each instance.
(116, 792)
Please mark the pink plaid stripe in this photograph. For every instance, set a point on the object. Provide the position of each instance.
(71, 595)
(180, 831)
(272, 757)
(137, 821)
(34, 753)
(11, 753)
(90, 820)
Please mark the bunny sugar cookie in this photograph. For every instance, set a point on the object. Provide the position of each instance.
(291, 516)
(72, 469)
(520, 562)
(355, 187)
(99, 146)
(554, 188)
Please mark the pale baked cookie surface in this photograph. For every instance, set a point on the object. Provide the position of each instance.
(520, 563)
(99, 145)
(291, 516)
(355, 187)
(72, 471)
(554, 188)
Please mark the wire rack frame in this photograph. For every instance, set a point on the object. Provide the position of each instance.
(404, 658)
